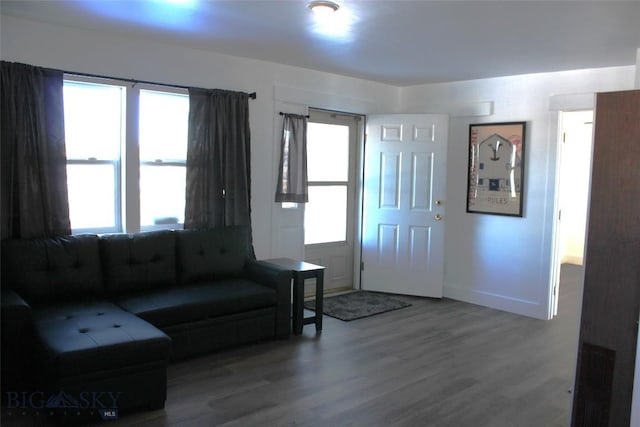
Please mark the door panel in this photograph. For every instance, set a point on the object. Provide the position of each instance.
(403, 218)
(336, 255)
(611, 296)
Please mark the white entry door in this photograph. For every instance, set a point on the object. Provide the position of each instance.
(404, 205)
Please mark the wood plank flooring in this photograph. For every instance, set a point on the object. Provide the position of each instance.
(438, 363)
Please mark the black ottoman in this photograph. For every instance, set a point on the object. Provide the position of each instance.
(99, 357)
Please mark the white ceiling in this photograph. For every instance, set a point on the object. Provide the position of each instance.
(396, 42)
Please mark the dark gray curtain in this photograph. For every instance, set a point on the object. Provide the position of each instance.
(218, 159)
(34, 175)
(292, 174)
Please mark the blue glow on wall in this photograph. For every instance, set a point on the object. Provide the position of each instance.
(170, 14)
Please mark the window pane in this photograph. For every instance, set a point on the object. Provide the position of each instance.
(163, 134)
(91, 196)
(162, 192)
(163, 126)
(93, 115)
(327, 152)
(325, 216)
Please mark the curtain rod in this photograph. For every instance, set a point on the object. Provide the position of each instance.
(282, 114)
(252, 95)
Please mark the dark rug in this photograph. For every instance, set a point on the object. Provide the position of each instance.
(359, 304)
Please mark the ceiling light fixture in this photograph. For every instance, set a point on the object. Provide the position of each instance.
(323, 7)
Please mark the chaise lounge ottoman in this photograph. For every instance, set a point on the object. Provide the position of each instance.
(101, 356)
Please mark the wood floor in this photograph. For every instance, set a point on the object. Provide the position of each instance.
(436, 363)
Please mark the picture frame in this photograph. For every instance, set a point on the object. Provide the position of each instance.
(495, 173)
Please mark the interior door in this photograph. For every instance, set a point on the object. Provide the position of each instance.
(611, 296)
(404, 206)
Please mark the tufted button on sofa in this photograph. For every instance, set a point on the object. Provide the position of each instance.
(108, 313)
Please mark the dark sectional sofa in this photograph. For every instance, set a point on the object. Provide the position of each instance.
(89, 314)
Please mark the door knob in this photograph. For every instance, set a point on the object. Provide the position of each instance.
(438, 217)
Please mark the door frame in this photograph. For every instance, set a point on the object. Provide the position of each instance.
(287, 225)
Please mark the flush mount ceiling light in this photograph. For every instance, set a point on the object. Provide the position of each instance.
(323, 7)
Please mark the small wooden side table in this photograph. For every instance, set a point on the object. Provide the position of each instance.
(300, 271)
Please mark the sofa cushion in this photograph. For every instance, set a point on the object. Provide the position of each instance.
(52, 268)
(96, 335)
(211, 254)
(180, 304)
(135, 262)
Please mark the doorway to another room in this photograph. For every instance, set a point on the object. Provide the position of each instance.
(576, 142)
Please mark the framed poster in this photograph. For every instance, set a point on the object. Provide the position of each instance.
(495, 179)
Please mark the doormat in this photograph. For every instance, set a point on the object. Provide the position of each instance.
(359, 304)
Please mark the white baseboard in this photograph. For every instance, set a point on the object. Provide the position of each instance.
(496, 301)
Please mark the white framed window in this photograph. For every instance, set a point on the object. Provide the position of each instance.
(126, 155)
(163, 155)
(328, 168)
(94, 131)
